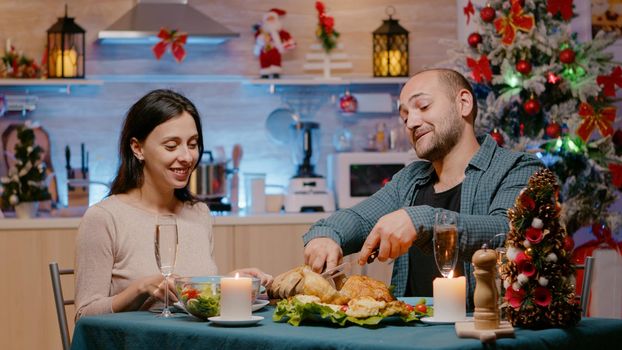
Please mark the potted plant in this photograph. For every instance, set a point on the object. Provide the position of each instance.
(25, 185)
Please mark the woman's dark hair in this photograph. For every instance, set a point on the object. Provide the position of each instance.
(153, 109)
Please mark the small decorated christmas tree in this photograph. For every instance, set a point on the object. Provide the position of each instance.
(25, 181)
(538, 276)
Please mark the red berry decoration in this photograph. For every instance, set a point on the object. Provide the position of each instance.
(523, 67)
(567, 56)
(532, 106)
(474, 39)
(617, 138)
(487, 14)
(498, 137)
(348, 103)
(553, 130)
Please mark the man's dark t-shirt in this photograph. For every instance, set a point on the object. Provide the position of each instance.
(422, 268)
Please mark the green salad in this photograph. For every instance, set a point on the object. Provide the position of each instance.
(202, 303)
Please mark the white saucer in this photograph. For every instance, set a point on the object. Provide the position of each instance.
(431, 320)
(259, 304)
(246, 322)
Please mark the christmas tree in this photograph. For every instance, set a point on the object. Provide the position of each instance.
(540, 90)
(25, 181)
(538, 276)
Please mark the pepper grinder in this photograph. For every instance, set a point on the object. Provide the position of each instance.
(485, 297)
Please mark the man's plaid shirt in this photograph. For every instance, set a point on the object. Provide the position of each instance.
(493, 179)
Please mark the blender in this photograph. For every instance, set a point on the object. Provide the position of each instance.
(307, 191)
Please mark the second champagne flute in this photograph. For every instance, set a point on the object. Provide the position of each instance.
(166, 241)
(446, 241)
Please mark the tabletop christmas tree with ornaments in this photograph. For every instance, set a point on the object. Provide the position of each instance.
(542, 91)
(538, 275)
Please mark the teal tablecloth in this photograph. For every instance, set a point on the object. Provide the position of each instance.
(142, 330)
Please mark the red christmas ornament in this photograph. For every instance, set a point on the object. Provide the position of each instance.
(567, 56)
(498, 137)
(474, 39)
(348, 103)
(552, 78)
(487, 14)
(523, 67)
(553, 130)
(617, 138)
(532, 106)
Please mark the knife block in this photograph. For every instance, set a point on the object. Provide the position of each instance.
(78, 189)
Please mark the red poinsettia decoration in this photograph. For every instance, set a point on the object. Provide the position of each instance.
(524, 264)
(515, 297)
(527, 201)
(603, 119)
(176, 39)
(326, 28)
(560, 6)
(542, 296)
(514, 21)
(534, 235)
(468, 11)
(610, 81)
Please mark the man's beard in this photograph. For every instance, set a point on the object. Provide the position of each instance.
(444, 138)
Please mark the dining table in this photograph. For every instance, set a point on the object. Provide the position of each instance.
(144, 330)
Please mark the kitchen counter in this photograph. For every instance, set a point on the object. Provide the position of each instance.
(220, 219)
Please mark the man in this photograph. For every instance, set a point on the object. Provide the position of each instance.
(462, 173)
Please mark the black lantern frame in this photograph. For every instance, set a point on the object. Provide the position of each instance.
(390, 48)
(66, 49)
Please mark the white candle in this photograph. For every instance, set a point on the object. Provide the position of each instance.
(235, 298)
(66, 63)
(449, 299)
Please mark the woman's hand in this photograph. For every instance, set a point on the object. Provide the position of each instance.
(156, 286)
(266, 279)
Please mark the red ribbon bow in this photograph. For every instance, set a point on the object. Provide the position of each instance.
(468, 11)
(176, 39)
(610, 81)
(480, 68)
(562, 6)
(516, 20)
(591, 119)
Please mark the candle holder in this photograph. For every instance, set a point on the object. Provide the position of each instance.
(66, 48)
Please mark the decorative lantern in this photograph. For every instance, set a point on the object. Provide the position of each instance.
(390, 48)
(65, 49)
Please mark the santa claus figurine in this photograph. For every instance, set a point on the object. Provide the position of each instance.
(270, 42)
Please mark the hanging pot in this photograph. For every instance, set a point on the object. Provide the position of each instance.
(209, 179)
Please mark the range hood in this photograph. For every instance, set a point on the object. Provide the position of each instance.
(142, 24)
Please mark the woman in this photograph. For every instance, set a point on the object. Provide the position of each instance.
(161, 143)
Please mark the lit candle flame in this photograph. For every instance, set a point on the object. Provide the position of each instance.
(451, 274)
(237, 275)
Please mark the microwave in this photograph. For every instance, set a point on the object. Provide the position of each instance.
(354, 176)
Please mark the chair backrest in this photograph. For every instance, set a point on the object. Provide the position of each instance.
(60, 302)
(584, 298)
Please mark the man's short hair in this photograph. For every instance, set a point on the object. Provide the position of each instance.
(454, 82)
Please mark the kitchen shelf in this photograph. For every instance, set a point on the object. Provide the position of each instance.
(58, 85)
(48, 82)
(317, 80)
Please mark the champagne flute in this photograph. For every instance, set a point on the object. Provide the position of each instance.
(446, 241)
(166, 251)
